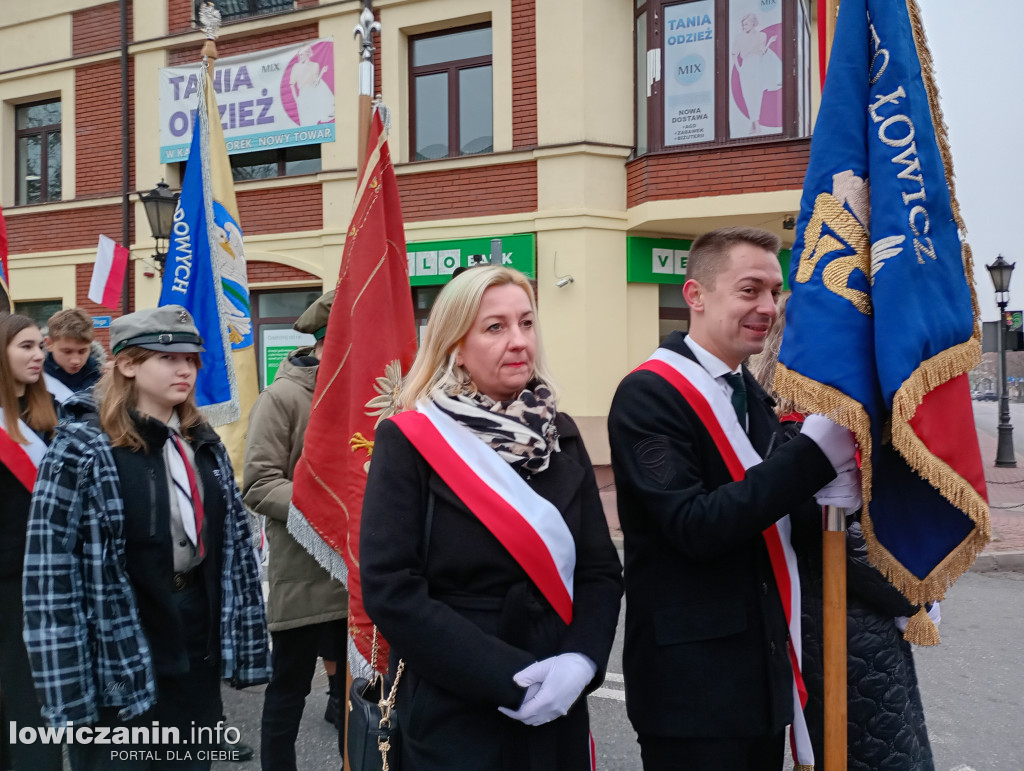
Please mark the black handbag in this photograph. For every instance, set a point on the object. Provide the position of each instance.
(374, 738)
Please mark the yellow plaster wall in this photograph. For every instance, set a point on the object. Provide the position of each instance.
(583, 322)
(585, 71)
(149, 19)
(16, 13)
(33, 42)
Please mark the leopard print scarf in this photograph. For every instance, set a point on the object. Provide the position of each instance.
(522, 431)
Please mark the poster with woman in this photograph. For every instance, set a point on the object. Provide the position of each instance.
(755, 68)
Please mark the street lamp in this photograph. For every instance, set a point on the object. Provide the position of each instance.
(160, 204)
(1001, 270)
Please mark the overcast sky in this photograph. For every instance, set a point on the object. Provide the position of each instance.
(980, 75)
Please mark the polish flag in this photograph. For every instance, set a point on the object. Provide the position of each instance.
(108, 273)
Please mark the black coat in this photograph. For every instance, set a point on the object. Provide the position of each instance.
(706, 637)
(469, 619)
(13, 519)
(885, 728)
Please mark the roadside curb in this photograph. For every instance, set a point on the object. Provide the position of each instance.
(999, 562)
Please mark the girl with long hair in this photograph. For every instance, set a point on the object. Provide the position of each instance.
(142, 590)
(27, 421)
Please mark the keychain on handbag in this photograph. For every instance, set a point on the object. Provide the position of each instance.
(373, 723)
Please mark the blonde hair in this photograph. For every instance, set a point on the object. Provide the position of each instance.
(118, 395)
(40, 415)
(70, 324)
(762, 365)
(450, 319)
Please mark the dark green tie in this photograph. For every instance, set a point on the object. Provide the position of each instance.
(739, 397)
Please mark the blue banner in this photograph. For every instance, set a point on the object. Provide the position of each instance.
(190, 279)
(881, 328)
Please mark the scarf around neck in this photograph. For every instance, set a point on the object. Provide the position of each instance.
(522, 431)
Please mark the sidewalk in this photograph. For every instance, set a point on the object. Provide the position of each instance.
(1006, 501)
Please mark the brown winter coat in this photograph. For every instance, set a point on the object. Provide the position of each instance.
(301, 592)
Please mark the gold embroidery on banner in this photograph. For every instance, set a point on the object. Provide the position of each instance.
(818, 244)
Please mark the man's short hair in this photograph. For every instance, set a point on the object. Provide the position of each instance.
(710, 252)
(70, 324)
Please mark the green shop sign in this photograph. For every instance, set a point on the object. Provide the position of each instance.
(663, 260)
(433, 262)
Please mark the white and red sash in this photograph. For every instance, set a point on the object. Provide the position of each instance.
(715, 411)
(57, 389)
(526, 524)
(22, 459)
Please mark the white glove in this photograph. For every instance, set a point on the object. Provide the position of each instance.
(561, 678)
(837, 442)
(843, 491)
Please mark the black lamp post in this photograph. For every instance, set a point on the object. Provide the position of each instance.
(160, 204)
(1001, 270)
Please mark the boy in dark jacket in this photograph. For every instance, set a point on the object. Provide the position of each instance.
(70, 364)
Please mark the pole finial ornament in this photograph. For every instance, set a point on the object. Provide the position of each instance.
(209, 20)
(365, 30)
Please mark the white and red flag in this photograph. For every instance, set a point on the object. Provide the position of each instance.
(108, 273)
(370, 343)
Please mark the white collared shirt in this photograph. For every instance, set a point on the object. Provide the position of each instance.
(717, 368)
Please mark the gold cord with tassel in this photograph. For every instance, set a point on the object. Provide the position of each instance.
(921, 630)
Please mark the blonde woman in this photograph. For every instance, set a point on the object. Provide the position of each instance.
(485, 556)
(27, 420)
(141, 588)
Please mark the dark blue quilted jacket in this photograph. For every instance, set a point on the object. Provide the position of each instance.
(886, 728)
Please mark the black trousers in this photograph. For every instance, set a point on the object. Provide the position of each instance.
(293, 661)
(17, 691)
(189, 702)
(661, 753)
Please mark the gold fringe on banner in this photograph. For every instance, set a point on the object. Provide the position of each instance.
(812, 396)
(932, 587)
(933, 373)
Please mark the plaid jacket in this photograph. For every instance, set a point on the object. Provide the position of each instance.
(82, 629)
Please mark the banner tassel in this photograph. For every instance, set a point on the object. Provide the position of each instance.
(921, 630)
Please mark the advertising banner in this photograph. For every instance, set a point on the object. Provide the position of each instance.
(275, 346)
(755, 68)
(283, 97)
(689, 80)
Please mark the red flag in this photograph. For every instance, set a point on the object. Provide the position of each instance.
(5, 291)
(370, 344)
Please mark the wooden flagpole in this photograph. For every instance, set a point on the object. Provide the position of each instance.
(834, 607)
(833, 559)
(364, 31)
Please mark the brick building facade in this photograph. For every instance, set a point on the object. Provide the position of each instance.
(563, 162)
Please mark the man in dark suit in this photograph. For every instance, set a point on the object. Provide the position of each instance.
(708, 677)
